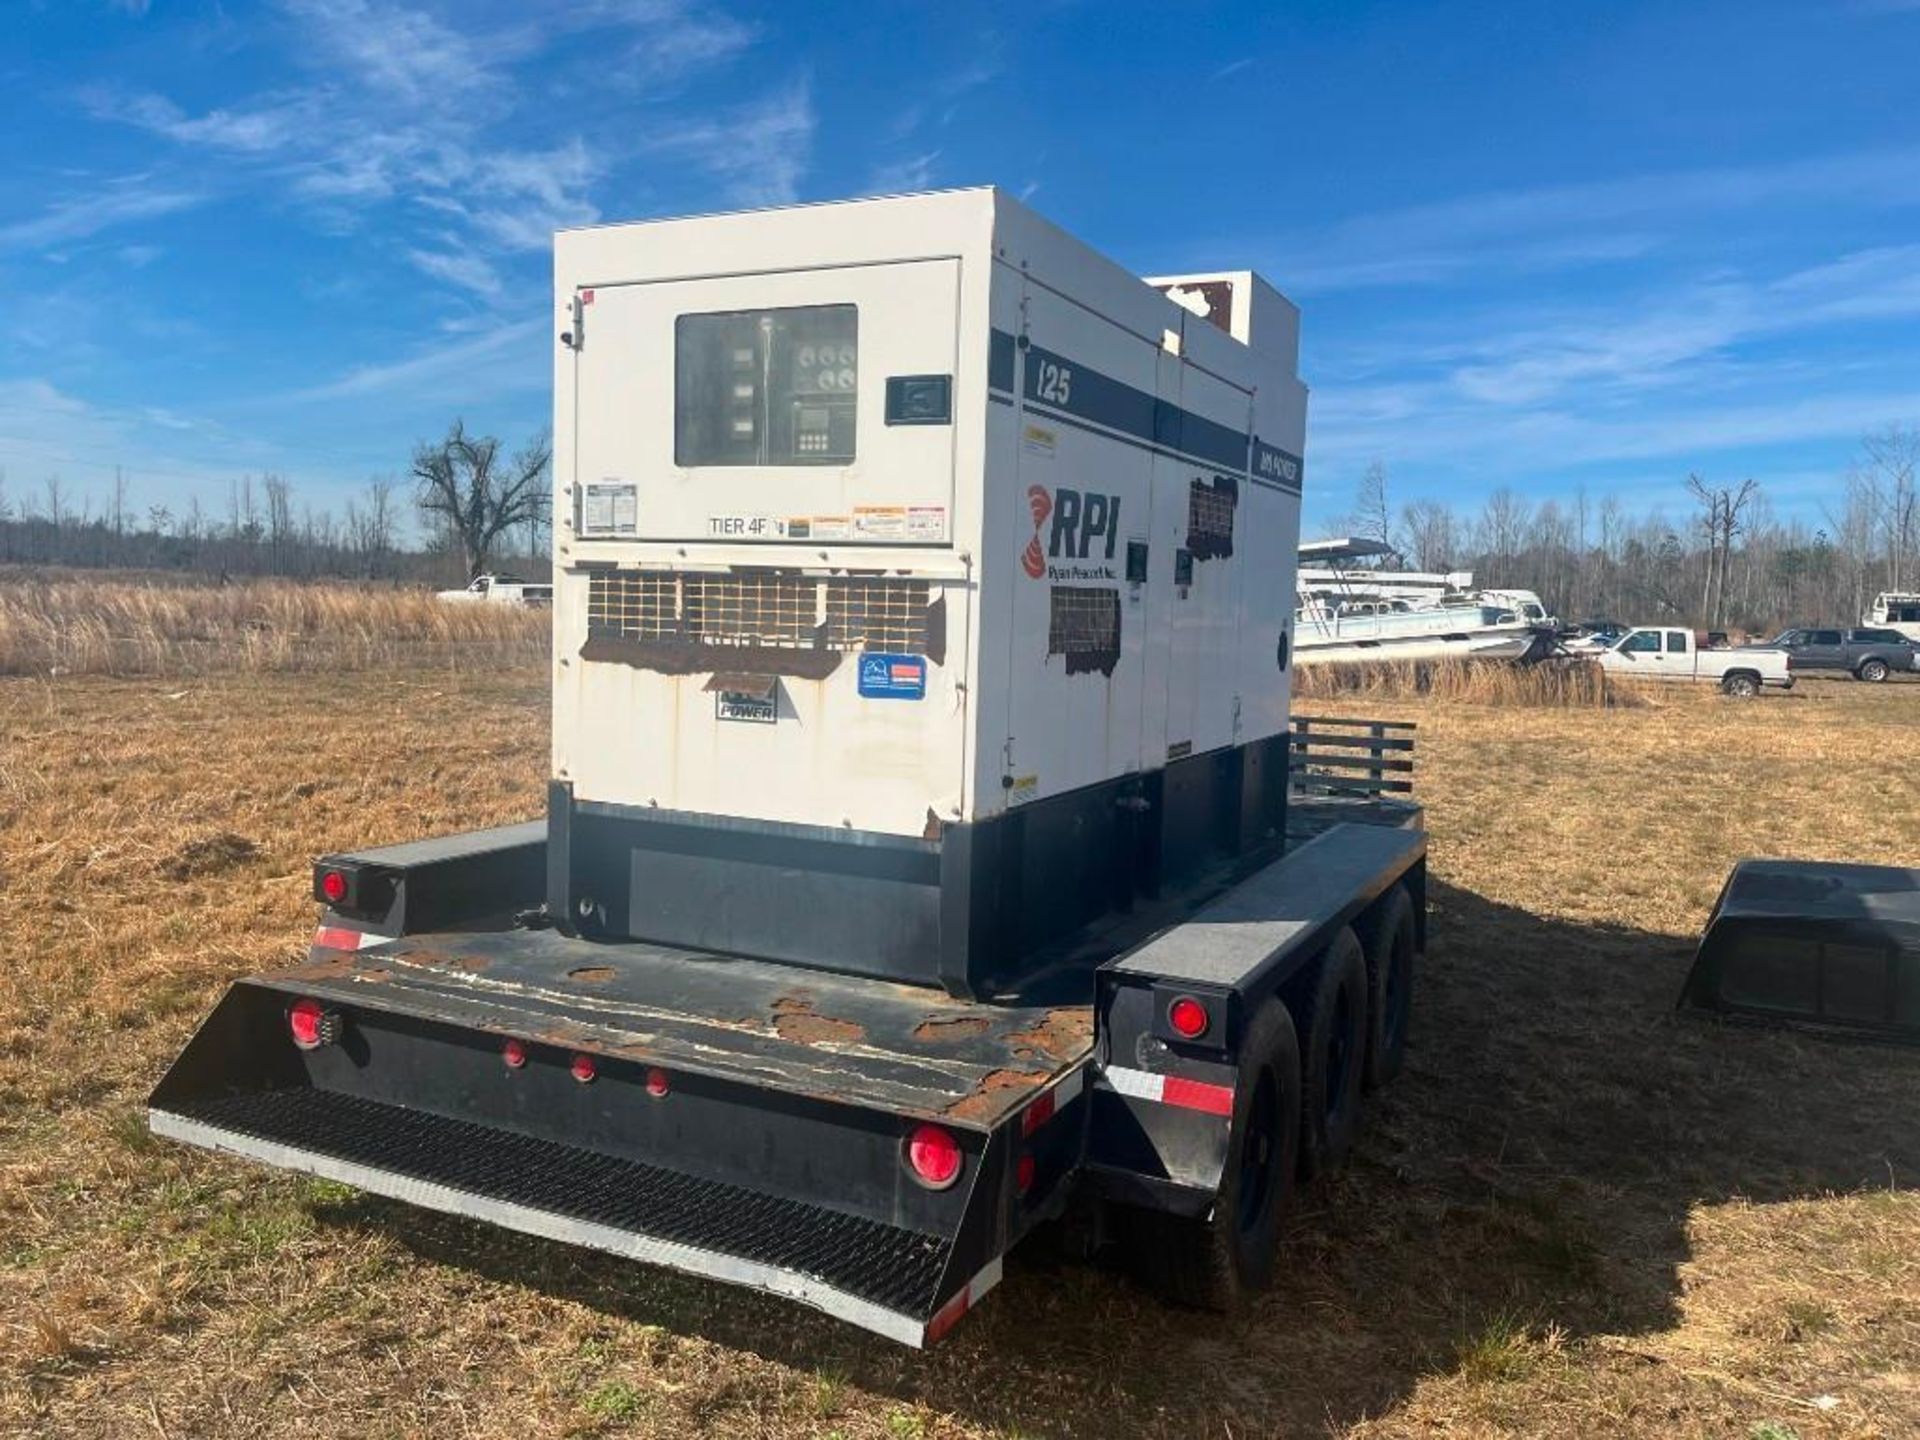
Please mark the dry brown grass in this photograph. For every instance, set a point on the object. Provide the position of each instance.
(96, 626)
(1465, 682)
(1576, 1214)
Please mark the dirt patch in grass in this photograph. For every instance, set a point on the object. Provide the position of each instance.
(1576, 1213)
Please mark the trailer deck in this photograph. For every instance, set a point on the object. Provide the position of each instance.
(900, 1048)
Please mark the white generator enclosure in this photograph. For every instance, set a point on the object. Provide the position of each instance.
(922, 582)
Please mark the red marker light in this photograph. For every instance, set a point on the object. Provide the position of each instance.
(514, 1053)
(333, 885)
(582, 1068)
(307, 1019)
(1188, 1017)
(657, 1084)
(934, 1156)
(1023, 1174)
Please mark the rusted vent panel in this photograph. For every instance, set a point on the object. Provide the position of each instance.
(1083, 624)
(873, 613)
(780, 611)
(1210, 507)
(633, 604)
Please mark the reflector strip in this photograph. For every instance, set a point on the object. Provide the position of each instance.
(1169, 1090)
(948, 1315)
(1051, 1102)
(338, 937)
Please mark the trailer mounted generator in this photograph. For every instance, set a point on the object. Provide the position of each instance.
(918, 865)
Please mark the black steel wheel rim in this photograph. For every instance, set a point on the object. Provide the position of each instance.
(1257, 1154)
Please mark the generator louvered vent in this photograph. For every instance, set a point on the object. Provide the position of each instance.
(1083, 625)
(1210, 507)
(856, 612)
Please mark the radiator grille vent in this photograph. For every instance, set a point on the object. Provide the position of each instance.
(1084, 626)
(783, 611)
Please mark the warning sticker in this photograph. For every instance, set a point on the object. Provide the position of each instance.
(926, 522)
(610, 507)
(880, 522)
(1023, 789)
(1038, 440)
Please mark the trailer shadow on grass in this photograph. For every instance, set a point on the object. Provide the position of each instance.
(1534, 1168)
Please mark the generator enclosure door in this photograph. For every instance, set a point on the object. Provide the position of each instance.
(782, 409)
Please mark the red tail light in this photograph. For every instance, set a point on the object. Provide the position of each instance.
(1188, 1017)
(934, 1156)
(312, 1024)
(1023, 1174)
(657, 1083)
(583, 1068)
(333, 886)
(514, 1053)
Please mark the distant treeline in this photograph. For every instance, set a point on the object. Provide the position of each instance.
(1720, 560)
(261, 529)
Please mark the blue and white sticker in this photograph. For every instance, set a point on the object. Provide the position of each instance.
(893, 677)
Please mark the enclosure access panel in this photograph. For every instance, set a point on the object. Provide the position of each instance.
(923, 582)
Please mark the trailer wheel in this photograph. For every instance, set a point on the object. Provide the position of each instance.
(1218, 1262)
(1391, 940)
(1333, 1021)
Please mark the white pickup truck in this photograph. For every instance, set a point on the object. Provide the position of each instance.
(502, 590)
(1660, 653)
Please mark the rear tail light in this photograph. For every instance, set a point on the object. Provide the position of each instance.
(583, 1068)
(312, 1024)
(1188, 1018)
(333, 886)
(933, 1155)
(657, 1083)
(514, 1052)
(1023, 1174)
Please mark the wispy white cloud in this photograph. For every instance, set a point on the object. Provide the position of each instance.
(132, 198)
(757, 154)
(898, 176)
(1556, 226)
(457, 267)
(483, 365)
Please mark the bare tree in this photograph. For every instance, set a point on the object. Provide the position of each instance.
(1430, 534)
(1370, 510)
(463, 483)
(1890, 467)
(1720, 522)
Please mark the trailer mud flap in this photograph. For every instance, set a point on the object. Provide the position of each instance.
(1827, 946)
(809, 1201)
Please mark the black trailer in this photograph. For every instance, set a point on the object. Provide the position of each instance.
(867, 1147)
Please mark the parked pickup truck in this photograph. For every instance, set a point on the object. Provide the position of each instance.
(1659, 653)
(1866, 654)
(502, 590)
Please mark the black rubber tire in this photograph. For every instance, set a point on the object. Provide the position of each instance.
(1333, 1025)
(1219, 1262)
(1873, 671)
(1392, 942)
(1740, 683)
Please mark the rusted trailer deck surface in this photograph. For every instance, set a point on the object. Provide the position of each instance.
(906, 1049)
(902, 1048)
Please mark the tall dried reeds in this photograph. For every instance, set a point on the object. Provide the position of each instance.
(1558, 684)
(116, 627)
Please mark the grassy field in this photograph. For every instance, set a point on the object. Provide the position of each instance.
(1576, 1213)
(63, 625)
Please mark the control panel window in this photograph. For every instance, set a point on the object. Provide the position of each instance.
(766, 387)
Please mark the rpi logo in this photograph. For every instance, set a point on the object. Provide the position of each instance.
(1078, 520)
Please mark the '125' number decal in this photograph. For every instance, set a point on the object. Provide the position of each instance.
(1055, 382)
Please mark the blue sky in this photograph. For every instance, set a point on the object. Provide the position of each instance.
(1538, 246)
